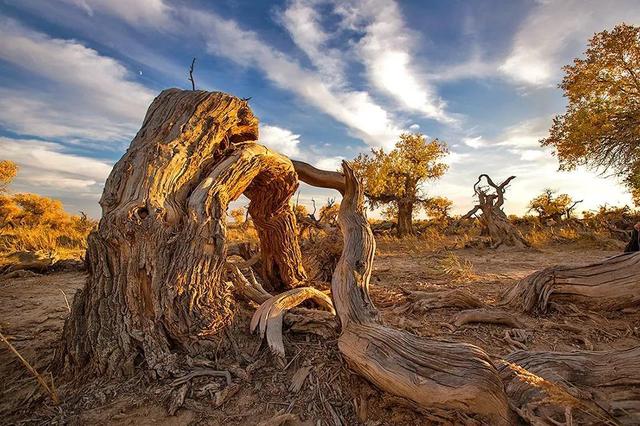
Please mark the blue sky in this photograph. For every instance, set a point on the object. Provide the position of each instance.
(328, 79)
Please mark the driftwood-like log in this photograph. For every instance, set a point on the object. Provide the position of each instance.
(612, 284)
(588, 387)
(433, 374)
(487, 316)
(155, 287)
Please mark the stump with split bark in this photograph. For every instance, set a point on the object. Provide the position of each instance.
(155, 289)
(494, 221)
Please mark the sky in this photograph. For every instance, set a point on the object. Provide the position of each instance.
(329, 79)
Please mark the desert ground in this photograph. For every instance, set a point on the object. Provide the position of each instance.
(316, 386)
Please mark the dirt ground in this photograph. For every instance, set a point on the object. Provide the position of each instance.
(33, 310)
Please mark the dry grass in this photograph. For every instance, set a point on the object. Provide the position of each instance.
(456, 267)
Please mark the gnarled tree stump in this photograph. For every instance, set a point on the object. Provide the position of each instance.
(608, 285)
(494, 221)
(155, 262)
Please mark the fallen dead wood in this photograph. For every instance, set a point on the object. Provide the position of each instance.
(487, 316)
(595, 387)
(612, 284)
(431, 373)
(427, 300)
(269, 316)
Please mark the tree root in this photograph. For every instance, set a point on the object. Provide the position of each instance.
(421, 301)
(269, 316)
(487, 316)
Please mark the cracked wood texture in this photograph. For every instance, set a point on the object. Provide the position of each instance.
(608, 285)
(598, 387)
(435, 375)
(155, 289)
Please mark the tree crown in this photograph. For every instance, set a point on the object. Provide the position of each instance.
(601, 126)
(399, 174)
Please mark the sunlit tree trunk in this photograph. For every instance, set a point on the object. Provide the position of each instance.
(405, 218)
(155, 289)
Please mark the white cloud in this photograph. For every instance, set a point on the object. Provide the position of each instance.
(154, 12)
(329, 163)
(475, 142)
(45, 168)
(385, 50)
(355, 109)
(557, 30)
(86, 95)
(279, 139)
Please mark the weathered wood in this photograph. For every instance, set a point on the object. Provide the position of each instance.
(494, 221)
(595, 387)
(612, 284)
(155, 287)
(455, 298)
(433, 374)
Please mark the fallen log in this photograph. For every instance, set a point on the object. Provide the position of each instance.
(612, 284)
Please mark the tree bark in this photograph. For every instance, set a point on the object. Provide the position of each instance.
(435, 375)
(154, 290)
(608, 285)
(405, 218)
(589, 388)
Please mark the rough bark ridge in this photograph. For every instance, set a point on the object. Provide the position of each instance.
(583, 387)
(155, 262)
(494, 221)
(433, 374)
(608, 285)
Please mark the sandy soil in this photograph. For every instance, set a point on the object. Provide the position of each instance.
(33, 311)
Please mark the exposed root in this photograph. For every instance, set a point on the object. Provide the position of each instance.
(250, 288)
(457, 298)
(487, 316)
(269, 316)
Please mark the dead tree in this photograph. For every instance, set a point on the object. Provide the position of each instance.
(193, 83)
(155, 291)
(494, 221)
(155, 263)
(432, 374)
(608, 285)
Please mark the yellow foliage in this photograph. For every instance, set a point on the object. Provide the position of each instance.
(8, 170)
(600, 127)
(548, 205)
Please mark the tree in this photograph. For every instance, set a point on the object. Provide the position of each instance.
(601, 126)
(156, 298)
(438, 208)
(397, 178)
(550, 206)
(8, 171)
(495, 222)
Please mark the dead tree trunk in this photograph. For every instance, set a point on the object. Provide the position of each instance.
(433, 374)
(585, 388)
(608, 285)
(154, 289)
(494, 221)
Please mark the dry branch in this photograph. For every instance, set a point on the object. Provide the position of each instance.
(487, 316)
